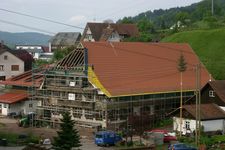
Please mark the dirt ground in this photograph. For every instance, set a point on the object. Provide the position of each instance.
(10, 125)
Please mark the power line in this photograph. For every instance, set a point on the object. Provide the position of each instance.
(27, 27)
(39, 18)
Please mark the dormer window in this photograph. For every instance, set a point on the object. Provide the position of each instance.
(211, 93)
(89, 37)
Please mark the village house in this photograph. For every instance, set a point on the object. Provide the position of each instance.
(112, 84)
(109, 32)
(214, 92)
(64, 39)
(13, 62)
(212, 119)
(17, 100)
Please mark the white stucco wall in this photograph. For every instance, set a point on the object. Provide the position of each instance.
(209, 125)
(11, 60)
(213, 125)
(88, 32)
(20, 107)
(115, 37)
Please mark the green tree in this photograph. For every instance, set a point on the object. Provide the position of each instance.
(58, 54)
(182, 17)
(145, 25)
(126, 20)
(68, 136)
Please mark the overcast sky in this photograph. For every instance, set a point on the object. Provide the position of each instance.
(76, 12)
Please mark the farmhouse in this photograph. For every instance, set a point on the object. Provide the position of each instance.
(212, 118)
(112, 84)
(108, 32)
(18, 99)
(64, 39)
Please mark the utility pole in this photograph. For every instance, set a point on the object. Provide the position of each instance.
(212, 7)
(182, 66)
(198, 105)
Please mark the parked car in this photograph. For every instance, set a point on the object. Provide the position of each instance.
(106, 138)
(167, 136)
(181, 146)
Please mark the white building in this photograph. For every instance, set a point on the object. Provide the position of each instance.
(37, 51)
(16, 103)
(212, 119)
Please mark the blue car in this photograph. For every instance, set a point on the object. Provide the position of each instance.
(106, 138)
(181, 146)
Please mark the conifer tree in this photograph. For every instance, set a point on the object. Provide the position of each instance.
(68, 137)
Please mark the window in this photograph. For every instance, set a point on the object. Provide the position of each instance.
(211, 93)
(1, 68)
(187, 124)
(5, 57)
(15, 67)
(5, 105)
(89, 37)
(72, 83)
(30, 105)
(71, 96)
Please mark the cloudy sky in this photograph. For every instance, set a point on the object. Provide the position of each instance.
(75, 12)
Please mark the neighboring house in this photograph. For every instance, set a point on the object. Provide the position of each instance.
(112, 84)
(212, 92)
(212, 119)
(64, 39)
(13, 62)
(18, 100)
(14, 103)
(109, 32)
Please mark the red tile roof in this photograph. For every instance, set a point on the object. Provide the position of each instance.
(26, 79)
(208, 111)
(10, 98)
(125, 68)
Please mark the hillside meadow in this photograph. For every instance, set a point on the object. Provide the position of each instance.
(209, 45)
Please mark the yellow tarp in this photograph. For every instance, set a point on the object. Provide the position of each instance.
(94, 80)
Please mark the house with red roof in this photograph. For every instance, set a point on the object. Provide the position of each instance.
(18, 98)
(13, 62)
(114, 84)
